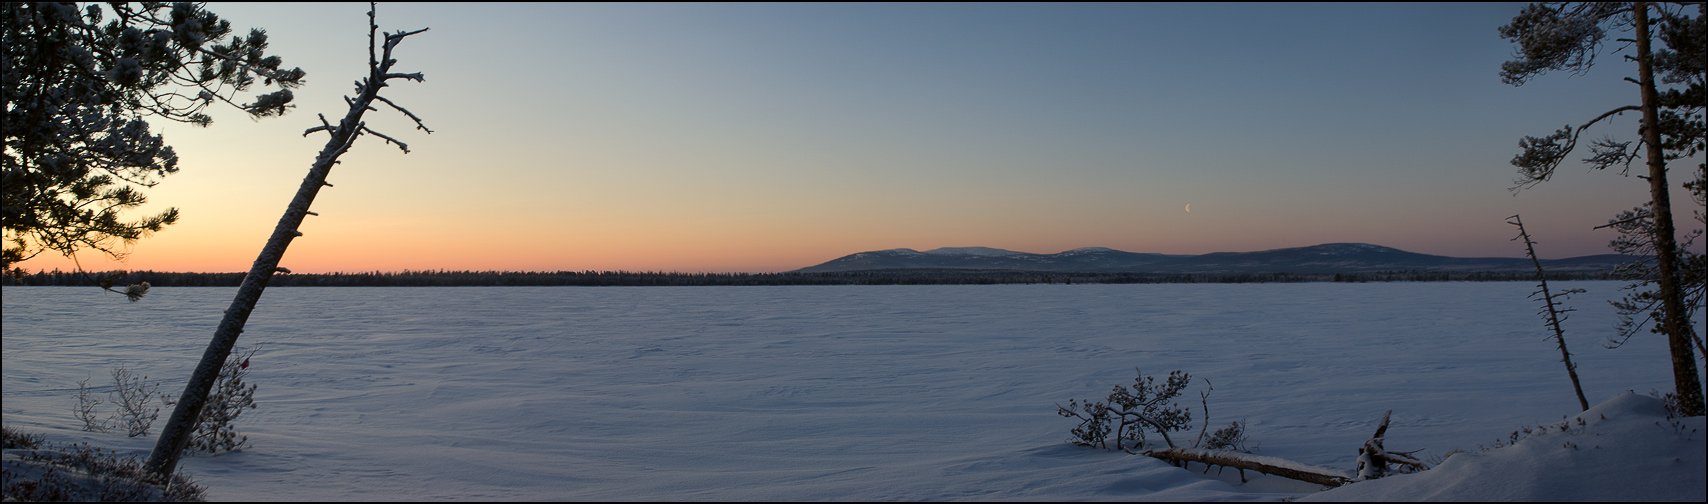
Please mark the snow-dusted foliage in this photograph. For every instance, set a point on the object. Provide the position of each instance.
(78, 85)
(37, 470)
(215, 432)
(1231, 437)
(1147, 406)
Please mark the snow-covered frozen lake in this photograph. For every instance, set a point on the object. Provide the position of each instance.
(812, 393)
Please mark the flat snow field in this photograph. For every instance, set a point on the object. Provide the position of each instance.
(813, 393)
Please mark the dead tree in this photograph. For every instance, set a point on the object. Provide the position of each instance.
(1149, 405)
(1552, 313)
(1373, 458)
(164, 460)
(1373, 461)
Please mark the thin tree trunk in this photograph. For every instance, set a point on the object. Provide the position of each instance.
(1677, 328)
(176, 434)
(173, 438)
(1553, 313)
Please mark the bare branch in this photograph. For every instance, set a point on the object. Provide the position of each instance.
(324, 126)
(373, 27)
(418, 123)
(1632, 219)
(401, 34)
(388, 139)
(1607, 114)
(1607, 152)
(1204, 398)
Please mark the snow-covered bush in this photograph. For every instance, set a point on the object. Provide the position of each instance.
(230, 396)
(1128, 413)
(1231, 437)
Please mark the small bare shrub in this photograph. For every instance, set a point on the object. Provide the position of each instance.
(11, 439)
(1673, 409)
(134, 395)
(85, 409)
(133, 398)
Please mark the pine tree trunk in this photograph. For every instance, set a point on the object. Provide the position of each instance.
(1666, 242)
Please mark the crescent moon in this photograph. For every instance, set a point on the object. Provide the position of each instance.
(1188, 208)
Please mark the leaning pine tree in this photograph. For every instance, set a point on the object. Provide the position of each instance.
(179, 428)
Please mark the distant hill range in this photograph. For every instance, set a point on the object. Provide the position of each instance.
(1334, 262)
(1330, 258)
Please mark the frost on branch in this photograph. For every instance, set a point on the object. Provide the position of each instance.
(214, 431)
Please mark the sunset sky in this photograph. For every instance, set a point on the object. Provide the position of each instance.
(770, 137)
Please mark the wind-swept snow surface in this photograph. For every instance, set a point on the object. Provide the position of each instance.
(835, 393)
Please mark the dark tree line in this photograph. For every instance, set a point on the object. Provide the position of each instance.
(444, 278)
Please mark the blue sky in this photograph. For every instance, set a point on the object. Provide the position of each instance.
(767, 137)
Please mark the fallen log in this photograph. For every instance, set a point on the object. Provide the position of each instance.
(1373, 461)
(1266, 465)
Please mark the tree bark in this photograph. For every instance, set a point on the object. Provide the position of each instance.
(1677, 328)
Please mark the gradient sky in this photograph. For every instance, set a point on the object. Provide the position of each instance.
(715, 138)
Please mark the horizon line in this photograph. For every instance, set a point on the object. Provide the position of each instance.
(19, 267)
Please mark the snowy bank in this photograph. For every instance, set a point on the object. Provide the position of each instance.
(1624, 449)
